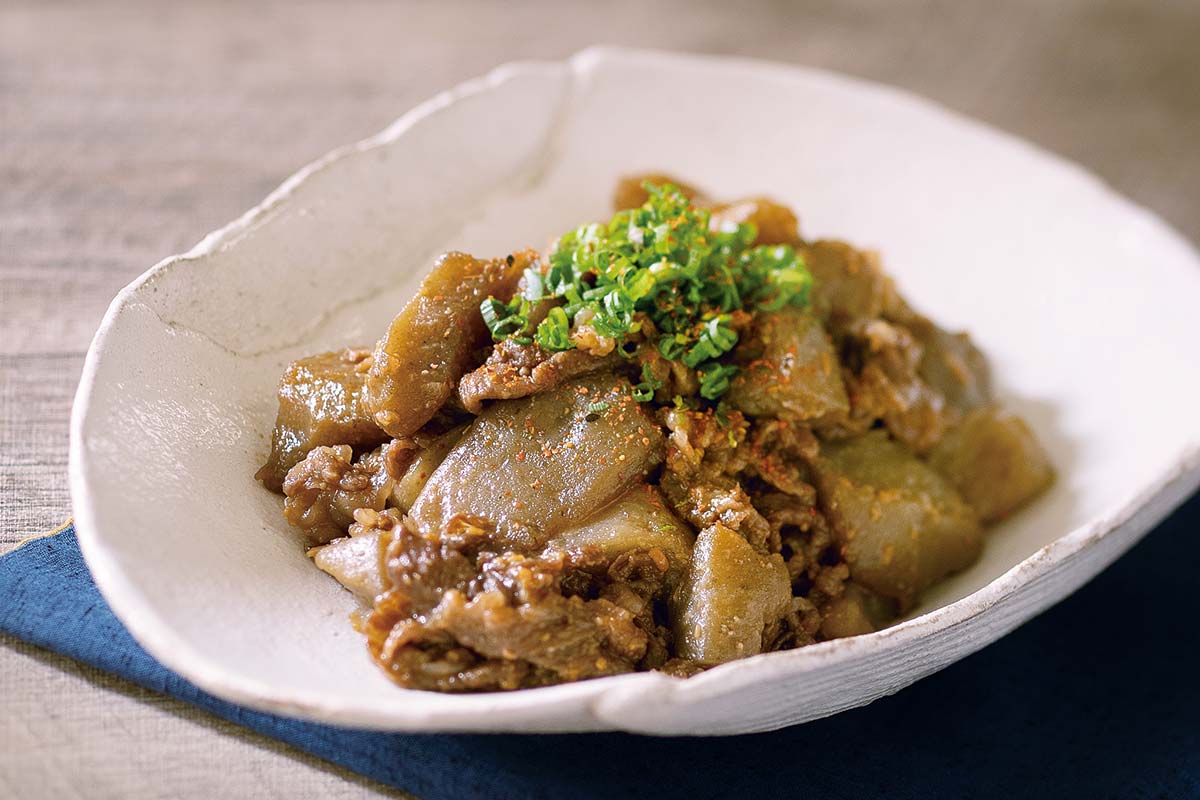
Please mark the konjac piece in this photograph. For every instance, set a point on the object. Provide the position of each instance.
(995, 461)
(732, 601)
(901, 526)
(320, 404)
(630, 193)
(532, 467)
(790, 369)
(847, 282)
(430, 454)
(954, 367)
(432, 342)
(638, 520)
(775, 223)
(855, 612)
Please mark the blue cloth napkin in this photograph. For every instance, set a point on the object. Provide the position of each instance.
(1097, 698)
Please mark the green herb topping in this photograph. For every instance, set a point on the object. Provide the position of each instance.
(664, 262)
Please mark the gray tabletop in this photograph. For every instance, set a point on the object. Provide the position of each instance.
(129, 130)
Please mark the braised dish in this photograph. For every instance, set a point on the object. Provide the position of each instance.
(680, 437)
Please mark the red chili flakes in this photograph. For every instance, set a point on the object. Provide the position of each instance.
(659, 558)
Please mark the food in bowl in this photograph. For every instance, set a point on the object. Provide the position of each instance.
(681, 437)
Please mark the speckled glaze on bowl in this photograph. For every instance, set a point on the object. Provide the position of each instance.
(1086, 304)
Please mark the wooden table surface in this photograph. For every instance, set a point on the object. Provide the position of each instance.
(129, 130)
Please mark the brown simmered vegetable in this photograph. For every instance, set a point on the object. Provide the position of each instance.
(733, 600)
(639, 519)
(431, 343)
(631, 190)
(849, 283)
(953, 366)
(320, 404)
(429, 453)
(855, 612)
(679, 437)
(534, 466)
(774, 222)
(995, 462)
(791, 371)
(900, 525)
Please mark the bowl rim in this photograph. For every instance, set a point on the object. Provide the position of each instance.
(456, 712)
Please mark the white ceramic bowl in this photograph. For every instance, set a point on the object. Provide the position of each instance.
(1087, 305)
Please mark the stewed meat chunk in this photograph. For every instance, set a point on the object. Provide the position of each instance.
(325, 489)
(460, 617)
(355, 563)
(516, 370)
